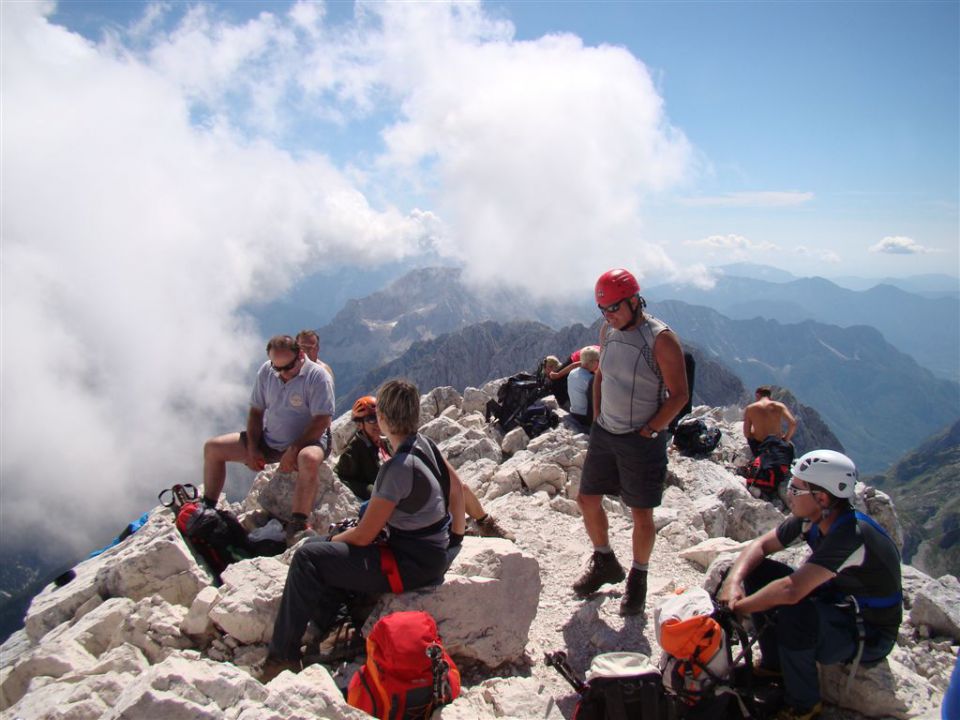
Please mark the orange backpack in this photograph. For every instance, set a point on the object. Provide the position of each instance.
(408, 674)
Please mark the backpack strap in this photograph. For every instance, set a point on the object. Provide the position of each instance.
(388, 566)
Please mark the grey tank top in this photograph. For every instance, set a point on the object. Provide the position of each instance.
(630, 391)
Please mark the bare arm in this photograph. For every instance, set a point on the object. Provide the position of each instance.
(669, 357)
(748, 559)
(378, 512)
(565, 371)
(254, 459)
(314, 431)
(791, 423)
(785, 591)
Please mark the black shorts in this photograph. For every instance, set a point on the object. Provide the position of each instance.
(272, 456)
(630, 466)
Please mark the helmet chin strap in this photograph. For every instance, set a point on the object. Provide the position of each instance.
(638, 310)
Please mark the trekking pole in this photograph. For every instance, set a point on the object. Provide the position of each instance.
(558, 660)
(442, 692)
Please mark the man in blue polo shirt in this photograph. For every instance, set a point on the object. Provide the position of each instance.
(290, 411)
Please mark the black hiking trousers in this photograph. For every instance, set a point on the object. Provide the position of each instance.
(323, 574)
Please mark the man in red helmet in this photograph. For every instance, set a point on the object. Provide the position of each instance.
(640, 386)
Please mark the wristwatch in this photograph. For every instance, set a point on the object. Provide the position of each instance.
(653, 433)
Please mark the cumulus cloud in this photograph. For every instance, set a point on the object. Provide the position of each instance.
(822, 254)
(158, 180)
(732, 246)
(768, 198)
(900, 245)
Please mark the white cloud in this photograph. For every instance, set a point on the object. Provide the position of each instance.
(828, 256)
(751, 199)
(900, 245)
(153, 185)
(731, 246)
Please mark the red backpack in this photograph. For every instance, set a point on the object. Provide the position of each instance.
(407, 674)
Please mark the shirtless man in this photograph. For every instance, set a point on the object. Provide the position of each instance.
(766, 417)
(309, 341)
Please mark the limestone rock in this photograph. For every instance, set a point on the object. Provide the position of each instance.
(514, 440)
(886, 690)
(249, 599)
(272, 490)
(197, 621)
(436, 401)
(155, 559)
(703, 554)
(749, 518)
(187, 689)
(441, 428)
(485, 605)
(306, 695)
(682, 535)
(517, 698)
(342, 430)
(467, 446)
(880, 507)
(937, 605)
(474, 401)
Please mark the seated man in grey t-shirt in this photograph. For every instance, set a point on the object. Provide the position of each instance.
(290, 411)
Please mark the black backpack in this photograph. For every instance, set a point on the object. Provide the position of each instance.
(215, 535)
(537, 419)
(694, 437)
(619, 686)
(770, 467)
(513, 397)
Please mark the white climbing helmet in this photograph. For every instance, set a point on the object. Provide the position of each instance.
(828, 469)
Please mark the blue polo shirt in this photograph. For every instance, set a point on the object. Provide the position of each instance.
(288, 407)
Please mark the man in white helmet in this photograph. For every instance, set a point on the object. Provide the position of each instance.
(843, 604)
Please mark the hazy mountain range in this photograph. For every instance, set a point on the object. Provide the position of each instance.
(877, 400)
(927, 329)
(925, 488)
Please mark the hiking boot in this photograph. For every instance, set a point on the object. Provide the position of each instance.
(274, 666)
(791, 713)
(297, 530)
(603, 569)
(635, 597)
(487, 526)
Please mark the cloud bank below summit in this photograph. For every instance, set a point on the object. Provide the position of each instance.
(161, 178)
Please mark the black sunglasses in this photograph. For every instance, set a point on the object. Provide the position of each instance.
(370, 419)
(610, 308)
(284, 368)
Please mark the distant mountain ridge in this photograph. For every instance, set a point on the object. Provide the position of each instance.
(928, 329)
(877, 400)
(479, 353)
(422, 305)
(924, 487)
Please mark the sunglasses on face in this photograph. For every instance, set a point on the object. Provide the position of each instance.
(284, 368)
(794, 490)
(610, 308)
(370, 419)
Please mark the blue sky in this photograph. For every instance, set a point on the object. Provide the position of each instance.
(851, 108)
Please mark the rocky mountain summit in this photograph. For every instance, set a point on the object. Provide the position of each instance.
(142, 632)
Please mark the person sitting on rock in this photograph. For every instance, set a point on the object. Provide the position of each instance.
(309, 340)
(359, 463)
(766, 418)
(290, 410)
(580, 386)
(410, 498)
(358, 466)
(851, 581)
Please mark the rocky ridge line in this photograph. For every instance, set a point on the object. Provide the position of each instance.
(141, 632)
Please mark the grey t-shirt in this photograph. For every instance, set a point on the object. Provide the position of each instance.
(290, 406)
(630, 391)
(414, 486)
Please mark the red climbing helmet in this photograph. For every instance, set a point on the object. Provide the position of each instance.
(615, 285)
